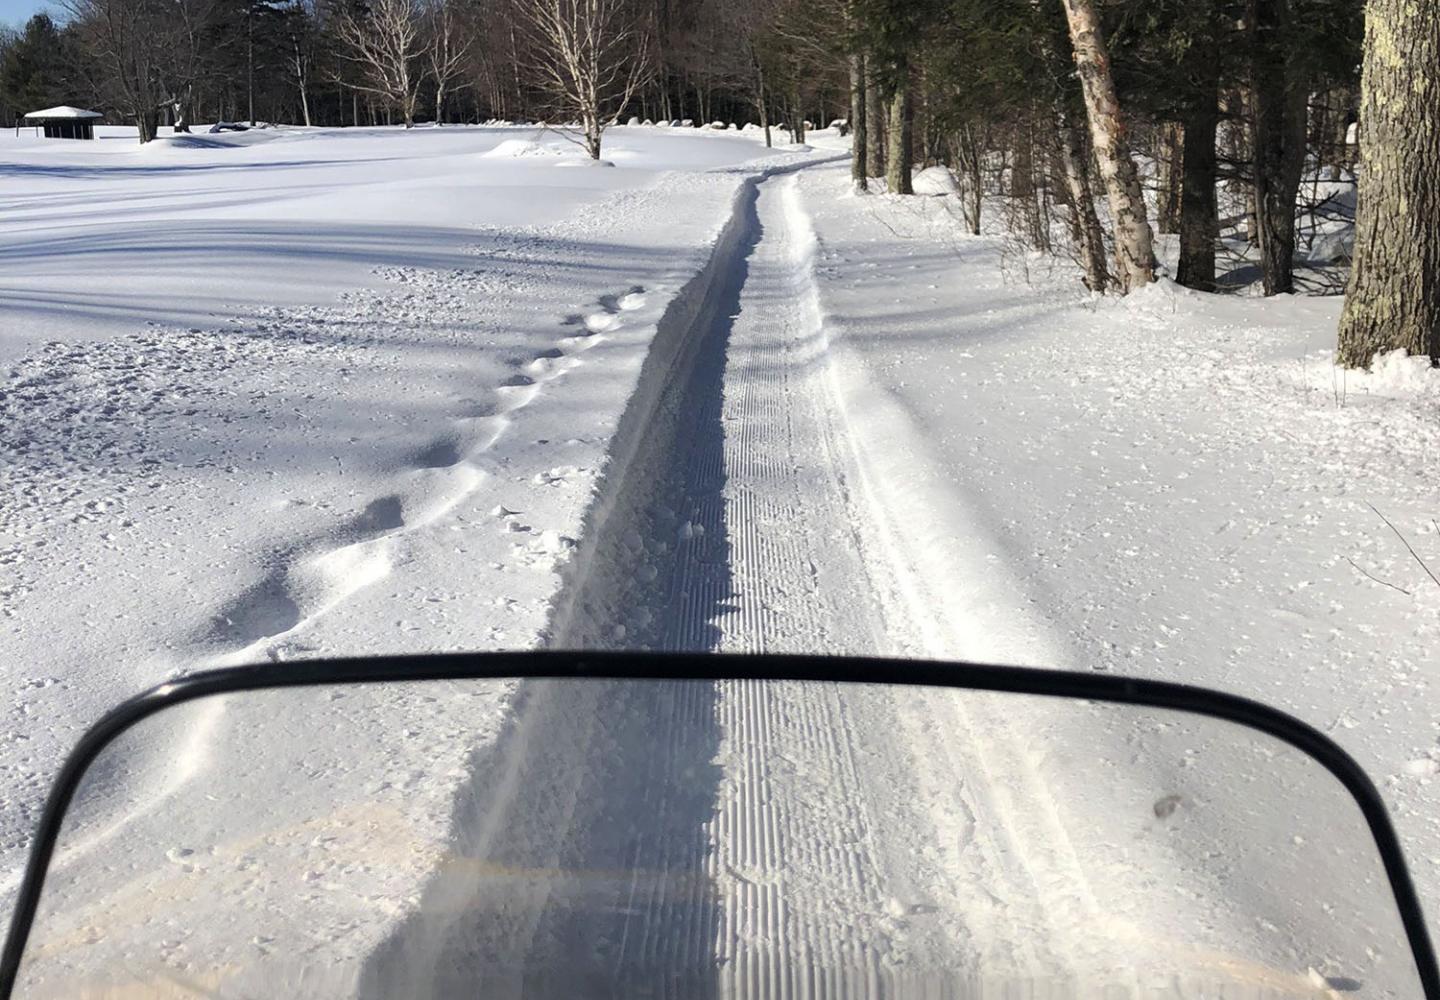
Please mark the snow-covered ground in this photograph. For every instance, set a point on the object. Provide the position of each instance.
(704, 400)
(390, 448)
(103, 238)
(1171, 485)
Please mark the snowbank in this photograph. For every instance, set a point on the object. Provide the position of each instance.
(936, 180)
(511, 148)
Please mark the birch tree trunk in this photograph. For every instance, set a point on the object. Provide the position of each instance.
(1090, 237)
(762, 102)
(448, 46)
(1394, 296)
(180, 111)
(1134, 244)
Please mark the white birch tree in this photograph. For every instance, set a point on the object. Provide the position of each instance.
(384, 44)
(447, 50)
(299, 53)
(1134, 243)
(591, 58)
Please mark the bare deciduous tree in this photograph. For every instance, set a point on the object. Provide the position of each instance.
(384, 44)
(447, 49)
(146, 54)
(299, 56)
(592, 56)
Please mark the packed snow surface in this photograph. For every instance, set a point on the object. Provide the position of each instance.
(299, 393)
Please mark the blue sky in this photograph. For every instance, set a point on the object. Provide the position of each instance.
(17, 12)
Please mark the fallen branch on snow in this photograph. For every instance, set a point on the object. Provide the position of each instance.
(1406, 542)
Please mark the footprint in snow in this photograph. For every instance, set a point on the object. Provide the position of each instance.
(438, 455)
(578, 344)
(602, 322)
(517, 396)
(627, 301)
(547, 367)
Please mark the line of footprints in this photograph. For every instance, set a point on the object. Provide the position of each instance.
(321, 571)
(520, 389)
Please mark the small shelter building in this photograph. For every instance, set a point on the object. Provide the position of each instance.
(65, 122)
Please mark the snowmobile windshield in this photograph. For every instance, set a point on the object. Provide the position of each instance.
(710, 827)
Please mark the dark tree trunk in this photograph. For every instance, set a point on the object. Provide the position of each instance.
(1199, 222)
(1342, 151)
(898, 159)
(1394, 296)
(875, 117)
(1235, 157)
(1022, 165)
(148, 124)
(250, 58)
(1171, 173)
(858, 125)
(1279, 145)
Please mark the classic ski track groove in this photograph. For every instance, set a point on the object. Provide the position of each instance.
(793, 868)
(779, 841)
(766, 845)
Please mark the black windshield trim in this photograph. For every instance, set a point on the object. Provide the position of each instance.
(712, 667)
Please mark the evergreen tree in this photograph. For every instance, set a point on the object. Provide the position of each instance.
(35, 70)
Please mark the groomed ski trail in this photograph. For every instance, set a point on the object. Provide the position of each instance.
(780, 840)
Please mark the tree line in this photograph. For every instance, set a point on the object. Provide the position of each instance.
(1100, 127)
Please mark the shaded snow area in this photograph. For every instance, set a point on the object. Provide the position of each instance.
(299, 393)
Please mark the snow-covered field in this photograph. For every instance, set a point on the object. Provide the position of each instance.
(306, 392)
(371, 311)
